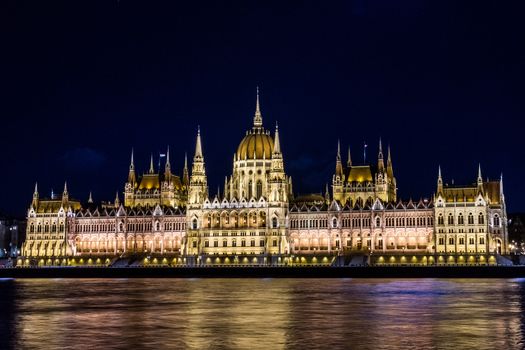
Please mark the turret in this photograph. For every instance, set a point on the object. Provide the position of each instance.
(349, 159)
(338, 178)
(198, 190)
(90, 198)
(278, 183)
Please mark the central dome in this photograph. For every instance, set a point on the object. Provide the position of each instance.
(256, 144)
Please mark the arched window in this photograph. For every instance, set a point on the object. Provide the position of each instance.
(250, 189)
(157, 226)
(460, 219)
(440, 220)
(274, 222)
(32, 228)
(450, 219)
(259, 189)
(481, 219)
(378, 221)
(496, 220)
(470, 219)
(194, 224)
(334, 222)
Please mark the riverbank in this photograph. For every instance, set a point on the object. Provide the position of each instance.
(269, 272)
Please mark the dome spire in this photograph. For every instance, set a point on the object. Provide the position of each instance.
(257, 118)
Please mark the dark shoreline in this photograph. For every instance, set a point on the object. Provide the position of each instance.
(270, 272)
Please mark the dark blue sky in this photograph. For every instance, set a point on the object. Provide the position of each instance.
(84, 82)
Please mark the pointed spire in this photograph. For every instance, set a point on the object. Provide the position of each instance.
(480, 178)
(131, 174)
(389, 167)
(151, 168)
(185, 172)
(198, 145)
(117, 200)
(167, 167)
(34, 203)
(277, 143)
(501, 187)
(257, 118)
(380, 162)
(349, 159)
(132, 163)
(90, 198)
(327, 194)
(439, 181)
(65, 194)
(338, 165)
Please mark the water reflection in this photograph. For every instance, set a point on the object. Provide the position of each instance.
(262, 313)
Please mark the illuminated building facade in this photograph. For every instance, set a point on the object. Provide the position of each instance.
(167, 219)
(471, 219)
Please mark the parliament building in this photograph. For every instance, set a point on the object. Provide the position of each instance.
(171, 220)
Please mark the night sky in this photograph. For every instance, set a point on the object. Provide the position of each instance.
(83, 82)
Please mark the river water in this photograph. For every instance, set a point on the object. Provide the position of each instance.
(262, 314)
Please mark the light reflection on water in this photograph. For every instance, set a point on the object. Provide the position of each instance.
(262, 313)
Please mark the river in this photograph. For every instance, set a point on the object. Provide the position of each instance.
(262, 313)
